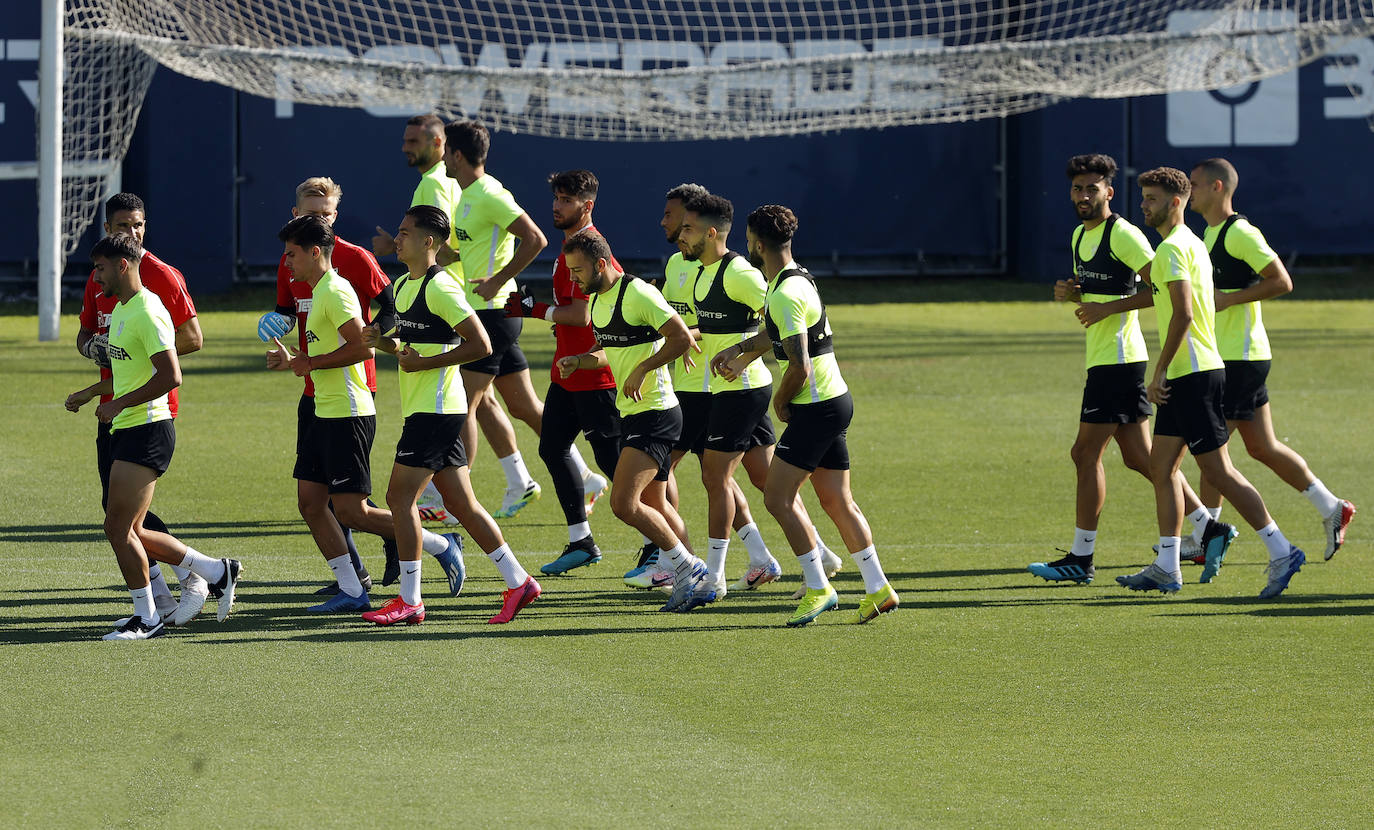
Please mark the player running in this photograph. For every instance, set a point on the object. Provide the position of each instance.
(435, 332)
(814, 401)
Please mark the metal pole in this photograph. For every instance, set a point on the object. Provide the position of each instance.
(50, 259)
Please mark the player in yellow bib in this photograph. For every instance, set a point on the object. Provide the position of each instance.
(1109, 255)
(638, 334)
(814, 401)
(144, 369)
(436, 331)
(1247, 271)
(1187, 387)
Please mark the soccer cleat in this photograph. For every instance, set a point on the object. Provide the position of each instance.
(1335, 526)
(831, 563)
(396, 611)
(719, 586)
(194, 591)
(228, 585)
(516, 501)
(814, 602)
(392, 571)
(1188, 551)
(134, 628)
(431, 506)
(166, 606)
(880, 601)
(758, 575)
(513, 599)
(649, 551)
(1070, 568)
(594, 486)
(1216, 540)
(341, 602)
(582, 552)
(691, 590)
(451, 560)
(651, 575)
(1281, 570)
(1152, 578)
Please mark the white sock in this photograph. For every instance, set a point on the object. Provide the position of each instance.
(581, 530)
(1083, 541)
(517, 474)
(1199, 518)
(870, 568)
(181, 572)
(811, 569)
(1167, 560)
(143, 604)
(1275, 541)
(410, 582)
(753, 542)
(157, 582)
(509, 566)
(342, 566)
(715, 557)
(1323, 499)
(647, 540)
(582, 469)
(211, 570)
(432, 543)
(1215, 513)
(679, 559)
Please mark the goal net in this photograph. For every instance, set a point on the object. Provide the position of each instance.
(639, 70)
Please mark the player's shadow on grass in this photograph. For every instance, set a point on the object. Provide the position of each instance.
(1286, 605)
(93, 532)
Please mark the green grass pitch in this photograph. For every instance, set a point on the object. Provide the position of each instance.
(989, 699)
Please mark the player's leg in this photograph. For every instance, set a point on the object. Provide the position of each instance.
(130, 494)
(559, 432)
(406, 484)
(722, 497)
(1090, 495)
(600, 422)
(1166, 454)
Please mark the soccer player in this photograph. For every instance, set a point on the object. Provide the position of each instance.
(487, 226)
(1187, 389)
(423, 146)
(1108, 255)
(332, 457)
(727, 297)
(584, 401)
(638, 335)
(435, 332)
(125, 213)
(144, 369)
(320, 196)
(1245, 271)
(814, 401)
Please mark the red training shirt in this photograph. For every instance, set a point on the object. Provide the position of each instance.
(573, 340)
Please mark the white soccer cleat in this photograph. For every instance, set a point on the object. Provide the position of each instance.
(831, 562)
(431, 506)
(134, 628)
(194, 591)
(594, 486)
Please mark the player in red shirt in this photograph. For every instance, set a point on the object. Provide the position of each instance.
(125, 213)
(320, 196)
(584, 401)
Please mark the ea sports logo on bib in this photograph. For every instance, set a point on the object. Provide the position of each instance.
(1234, 111)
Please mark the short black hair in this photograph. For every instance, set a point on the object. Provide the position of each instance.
(579, 183)
(123, 201)
(1169, 179)
(716, 210)
(1221, 170)
(774, 225)
(1102, 165)
(590, 244)
(685, 192)
(118, 246)
(432, 221)
(431, 122)
(308, 231)
(469, 138)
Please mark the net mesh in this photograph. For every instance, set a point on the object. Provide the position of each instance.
(634, 70)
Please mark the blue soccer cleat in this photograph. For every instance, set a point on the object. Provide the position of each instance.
(451, 560)
(1153, 578)
(1216, 540)
(1281, 570)
(1068, 569)
(342, 602)
(582, 552)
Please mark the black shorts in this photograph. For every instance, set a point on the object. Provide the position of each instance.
(589, 411)
(148, 445)
(432, 442)
(506, 358)
(696, 415)
(1245, 389)
(1193, 411)
(654, 433)
(1115, 395)
(335, 452)
(735, 420)
(815, 435)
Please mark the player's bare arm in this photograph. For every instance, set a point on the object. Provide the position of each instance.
(166, 377)
(1181, 296)
(586, 360)
(677, 340)
(1274, 282)
(532, 241)
(798, 370)
(1089, 313)
(188, 337)
(1067, 291)
(80, 398)
(730, 362)
(475, 346)
(353, 350)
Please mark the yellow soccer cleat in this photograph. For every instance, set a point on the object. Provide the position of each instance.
(814, 603)
(879, 602)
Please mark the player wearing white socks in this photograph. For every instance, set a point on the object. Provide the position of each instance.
(1246, 271)
(144, 369)
(1186, 386)
(814, 401)
(436, 331)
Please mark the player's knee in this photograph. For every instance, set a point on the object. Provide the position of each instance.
(780, 505)
(624, 504)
